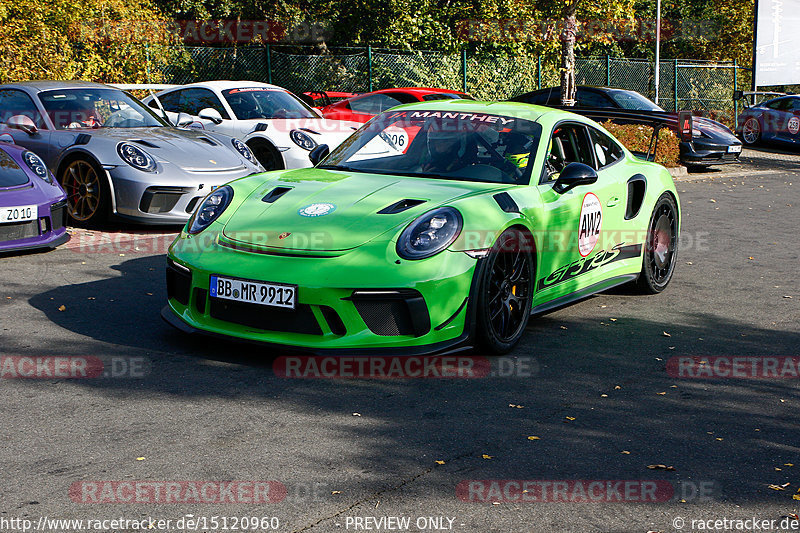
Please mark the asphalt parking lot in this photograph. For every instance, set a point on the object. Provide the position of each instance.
(590, 381)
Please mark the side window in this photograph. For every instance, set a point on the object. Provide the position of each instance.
(16, 102)
(195, 100)
(374, 104)
(606, 150)
(795, 104)
(539, 97)
(781, 104)
(568, 144)
(592, 99)
(169, 101)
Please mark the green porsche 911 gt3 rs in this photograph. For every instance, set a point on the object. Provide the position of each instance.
(435, 226)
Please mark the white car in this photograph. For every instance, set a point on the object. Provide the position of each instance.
(278, 127)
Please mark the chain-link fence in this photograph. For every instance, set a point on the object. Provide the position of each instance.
(703, 86)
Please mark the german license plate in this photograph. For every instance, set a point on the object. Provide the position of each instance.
(253, 292)
(21, 213)
(735, 148)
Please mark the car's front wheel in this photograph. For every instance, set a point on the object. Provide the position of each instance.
(88, 197)
(751, 131)
(505, 293)
(660, 247)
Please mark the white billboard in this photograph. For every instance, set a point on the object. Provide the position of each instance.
(777, 54)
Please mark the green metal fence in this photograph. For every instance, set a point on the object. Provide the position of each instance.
(703, 86)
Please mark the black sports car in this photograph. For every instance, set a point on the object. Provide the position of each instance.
(712, 143)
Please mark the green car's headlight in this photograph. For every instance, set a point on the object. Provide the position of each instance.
(210, 209)
(430, 233)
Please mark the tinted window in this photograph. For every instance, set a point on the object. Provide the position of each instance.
(795, 104)
(374, 104)
(10, 172)
(781, 104)
(441, 96)
(588, 98)
(14, 102)
(195, 100)
(632, 100)
(249, 103)
(535, 98)
(169, 101)
(605, 149)
(569, 144)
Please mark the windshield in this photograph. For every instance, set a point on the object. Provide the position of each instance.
(264, 102)
(442, 144)
(97, 108)
(633, 100)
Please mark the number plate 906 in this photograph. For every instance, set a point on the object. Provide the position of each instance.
(253, 292)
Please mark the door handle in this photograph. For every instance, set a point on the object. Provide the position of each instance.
(614, 200)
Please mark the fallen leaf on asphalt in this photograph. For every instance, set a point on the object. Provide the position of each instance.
(495, 503)
(604, 395)
(570, 418)
(661, 467)
(719, 438)
(356, 414)
(794, 516)
(689, 263)
(617, 387)
(788, 464)
(751, 258)
(563, 327)
(91, 298)
(485, 456)
(796, 497)
(667, 334)
(613, 319)
(140, 458)
(336, 492)
(439, 462)
(62, 308)
(788, 297)
(673, 386)
(516, 406)
(775, 487)
(661, 393)
(778, 469)
(149, 293)
(533, 437)
(625, 452)
(713, 201)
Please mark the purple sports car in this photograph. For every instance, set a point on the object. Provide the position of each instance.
(32, 204)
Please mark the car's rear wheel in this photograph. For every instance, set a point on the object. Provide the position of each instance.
(751, 131)
(660, 247)
(88, 196)
(267, 155)
(505, 293)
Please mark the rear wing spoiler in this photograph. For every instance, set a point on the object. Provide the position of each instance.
(749, 97)
(680, 123)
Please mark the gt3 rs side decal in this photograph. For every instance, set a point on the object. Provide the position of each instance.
(587, 264)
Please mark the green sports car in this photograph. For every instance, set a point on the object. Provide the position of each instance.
(437, 225)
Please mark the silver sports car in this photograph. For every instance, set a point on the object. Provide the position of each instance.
(114, 156)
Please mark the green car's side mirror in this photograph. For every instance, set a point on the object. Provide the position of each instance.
(318, 154)
(573, 175)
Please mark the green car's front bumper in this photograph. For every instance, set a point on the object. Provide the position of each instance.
(365, 299)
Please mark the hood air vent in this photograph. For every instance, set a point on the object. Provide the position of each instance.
(275, 193)
(399, 207)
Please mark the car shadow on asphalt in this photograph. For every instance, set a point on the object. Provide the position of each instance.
(594, 391)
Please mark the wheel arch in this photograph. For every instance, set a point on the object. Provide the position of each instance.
(73, 155)
(261, 141)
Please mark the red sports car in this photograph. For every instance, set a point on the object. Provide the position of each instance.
(363, 107)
